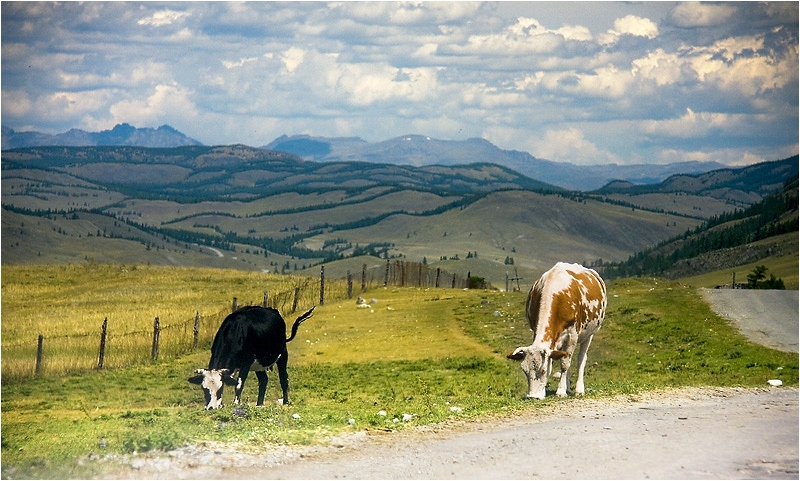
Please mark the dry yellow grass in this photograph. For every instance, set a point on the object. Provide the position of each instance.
(67, 304)
(404, 324)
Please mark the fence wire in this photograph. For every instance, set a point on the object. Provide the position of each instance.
(76, 353)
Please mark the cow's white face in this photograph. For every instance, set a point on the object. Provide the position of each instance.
(536, 363)
(212, 381)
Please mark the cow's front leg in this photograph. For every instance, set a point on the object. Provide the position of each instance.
(240, 385)
(563, 382)
(262, 386)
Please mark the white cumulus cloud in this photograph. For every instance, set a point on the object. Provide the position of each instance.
(162, 18)
(630, 25)
(696, 14)
(573, 81)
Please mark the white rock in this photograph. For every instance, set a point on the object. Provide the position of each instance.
(381, 413)
(775, 382)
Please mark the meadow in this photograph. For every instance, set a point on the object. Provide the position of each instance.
(67, 305)
(434, 354)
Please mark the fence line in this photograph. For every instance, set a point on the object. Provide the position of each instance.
(69, 354)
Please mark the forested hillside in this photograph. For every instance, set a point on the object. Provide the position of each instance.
(775, 215)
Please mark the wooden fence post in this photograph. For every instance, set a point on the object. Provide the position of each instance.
(322, 285)
(156, 335)
(386, 277)
(438, 273)
(363, 277)
(349, 285)
(39, 355)
(454, 281)
(419, 281)
(103, 335)
(235, 305)
(266, 299)
(196, 330)
(296, 298)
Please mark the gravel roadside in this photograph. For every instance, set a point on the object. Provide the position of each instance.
(696, 433)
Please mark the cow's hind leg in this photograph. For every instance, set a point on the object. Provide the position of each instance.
(262, 386)
(284, 375)
(579, 388)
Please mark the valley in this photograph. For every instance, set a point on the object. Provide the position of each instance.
(245, 208)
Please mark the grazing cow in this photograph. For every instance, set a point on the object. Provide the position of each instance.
(252, 338)
(565, 307)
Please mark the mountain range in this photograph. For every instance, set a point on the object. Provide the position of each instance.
(410, 150)
(419, 150)
(121, 134)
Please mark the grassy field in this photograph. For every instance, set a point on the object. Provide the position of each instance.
(434, 354)
(73, 300)
(782, 267)
(534, 230)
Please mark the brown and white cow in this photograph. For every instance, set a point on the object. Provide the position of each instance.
(565, 307)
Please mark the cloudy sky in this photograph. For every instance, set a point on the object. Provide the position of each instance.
(583, 82)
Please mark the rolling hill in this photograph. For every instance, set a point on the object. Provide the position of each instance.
(246, 208)
(407, 150)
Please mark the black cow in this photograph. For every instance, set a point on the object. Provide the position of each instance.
(251, 338)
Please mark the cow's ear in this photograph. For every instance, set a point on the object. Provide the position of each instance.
(558, 354)
(517, 355)
(196, 379)
(228, 379)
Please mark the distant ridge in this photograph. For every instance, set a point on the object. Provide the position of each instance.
(744, 184)
(421, 150)
(121, 134)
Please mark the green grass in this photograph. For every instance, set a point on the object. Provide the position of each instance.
(433, 351)
(785, 267)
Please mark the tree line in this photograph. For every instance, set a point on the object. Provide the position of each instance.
(767, 218)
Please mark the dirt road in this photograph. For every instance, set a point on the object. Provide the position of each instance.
(767, 317)
(697, 433)
(687, 433)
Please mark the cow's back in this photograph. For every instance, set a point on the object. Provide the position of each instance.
(566, 294)
(250, 332)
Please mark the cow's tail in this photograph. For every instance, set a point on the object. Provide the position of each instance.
(299, 321)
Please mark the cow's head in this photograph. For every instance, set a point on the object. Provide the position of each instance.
(536, 364)
(212, 381)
